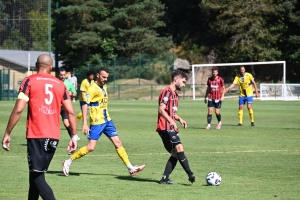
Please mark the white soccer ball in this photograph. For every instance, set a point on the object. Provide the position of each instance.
(213, 178)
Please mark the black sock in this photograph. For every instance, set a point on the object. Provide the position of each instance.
(218, 117)
(39, 186)
(171, 164)
(184, 163)
(69, 131)
(209, 116)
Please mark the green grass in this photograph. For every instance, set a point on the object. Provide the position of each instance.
(260, 162)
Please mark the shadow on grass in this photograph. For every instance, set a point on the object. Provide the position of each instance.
(60, 173)
(130, 178)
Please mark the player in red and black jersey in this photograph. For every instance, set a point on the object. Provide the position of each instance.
(44, 94)
(168, 130)
(215, 92)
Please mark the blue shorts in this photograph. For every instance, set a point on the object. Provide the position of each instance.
(107, 128)
(243, 100)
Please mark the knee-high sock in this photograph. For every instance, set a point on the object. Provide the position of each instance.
(80, 153)
(240, 115)
(171, 164)
(218, 117)
(123, 155)
(184, 163)
(209, 116)
(251, 114)
(39, 187)
(79, 116)
(69, 131)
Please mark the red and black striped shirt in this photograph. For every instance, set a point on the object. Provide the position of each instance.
(170, 99)
(215, 85)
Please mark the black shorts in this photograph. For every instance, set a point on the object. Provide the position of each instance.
(170, 139)
(63, 113)
(214, 103)
(40, 152)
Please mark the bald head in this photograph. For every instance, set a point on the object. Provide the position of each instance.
(45, 62)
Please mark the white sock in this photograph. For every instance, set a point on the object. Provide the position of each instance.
(129, 166)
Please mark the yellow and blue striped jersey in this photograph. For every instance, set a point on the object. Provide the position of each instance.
(85, 84)
(245, 84)
(97, 98)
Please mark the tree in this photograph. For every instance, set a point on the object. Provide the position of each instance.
(137, 26)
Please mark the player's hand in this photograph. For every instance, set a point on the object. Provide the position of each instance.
(184, 124)
(205, 99)
(173, 125)
(6, 142)
(85, 129)
(222, 99)
(72, 146)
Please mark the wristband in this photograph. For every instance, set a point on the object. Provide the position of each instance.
(75, 137)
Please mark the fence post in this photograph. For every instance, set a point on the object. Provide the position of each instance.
(151, 92)
(140, 61)
(119, 91)
(1, 86)
(167, 61)
(8, 84)
(115, 60)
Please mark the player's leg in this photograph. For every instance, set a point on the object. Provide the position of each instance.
(40, 153)
(240, 111)
(210, 106)
(39, 187)
(218, 106)
(250, 110)
(94, 135)
(111, 132)
(183, 160)
(172, 161)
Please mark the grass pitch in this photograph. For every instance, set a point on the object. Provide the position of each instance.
(260, 162)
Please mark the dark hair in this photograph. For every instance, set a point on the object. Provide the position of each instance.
(103, 69)
(62, 69)
(214, 68)
(90, 72)
(179, 73)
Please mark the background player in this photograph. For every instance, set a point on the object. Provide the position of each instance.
(73, 80)
(44, 94)
(85, 84)
(168, 130)
(100, 122)
(215, 92)
(71, 90)
(245, 81)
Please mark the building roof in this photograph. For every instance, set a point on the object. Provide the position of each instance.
(21, 58)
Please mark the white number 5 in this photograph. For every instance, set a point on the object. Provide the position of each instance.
(48, 91)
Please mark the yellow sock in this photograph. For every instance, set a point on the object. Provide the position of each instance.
(123, 155)
(240, 115)
(79, 116)
(80, 153)
(251, 114)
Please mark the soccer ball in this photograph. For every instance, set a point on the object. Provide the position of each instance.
(213, 178)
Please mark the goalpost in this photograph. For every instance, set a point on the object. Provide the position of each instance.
(283, 63)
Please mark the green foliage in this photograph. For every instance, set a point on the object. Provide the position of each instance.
(38, 30)
(164, 78)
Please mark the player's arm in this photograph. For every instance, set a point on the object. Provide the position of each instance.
(230, 87)
(68, 106)
(223, 93)
(182, 122)
(206, 93)
(73, 90)
(164, 114)
(255, 87)
(14, 118)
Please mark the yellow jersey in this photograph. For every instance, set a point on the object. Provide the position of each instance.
(84, 86)
(245, 84)
(97, 99)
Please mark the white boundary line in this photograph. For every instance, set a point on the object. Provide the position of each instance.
(149, 154)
